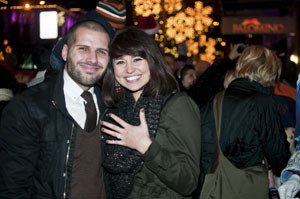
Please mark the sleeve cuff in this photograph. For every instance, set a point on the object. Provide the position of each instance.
(152, 151)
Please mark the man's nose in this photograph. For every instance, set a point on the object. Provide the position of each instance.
(92, 56)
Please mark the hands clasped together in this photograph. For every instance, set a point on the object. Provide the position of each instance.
(134, 137)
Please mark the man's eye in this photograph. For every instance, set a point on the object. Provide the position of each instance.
(103, 52)
(83, 48)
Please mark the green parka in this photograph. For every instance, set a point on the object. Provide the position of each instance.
(171, 164)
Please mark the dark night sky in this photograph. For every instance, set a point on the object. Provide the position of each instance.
(84, 4)
(227, 4)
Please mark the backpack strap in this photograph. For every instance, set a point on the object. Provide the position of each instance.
(217, 110)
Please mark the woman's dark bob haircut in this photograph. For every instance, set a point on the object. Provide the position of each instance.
(135, 42)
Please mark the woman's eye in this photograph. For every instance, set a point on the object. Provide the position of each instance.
(137, 59)
(118, 62)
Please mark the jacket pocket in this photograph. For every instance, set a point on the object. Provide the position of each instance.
(48, 159)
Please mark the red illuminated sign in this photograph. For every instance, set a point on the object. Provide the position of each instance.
(272, 25)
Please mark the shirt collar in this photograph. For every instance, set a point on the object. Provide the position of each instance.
(71, 88)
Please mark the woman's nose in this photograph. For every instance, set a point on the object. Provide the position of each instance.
(129, 67)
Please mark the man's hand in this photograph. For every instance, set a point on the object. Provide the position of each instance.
(234, 54)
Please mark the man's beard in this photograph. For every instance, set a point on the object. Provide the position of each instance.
(79, 78)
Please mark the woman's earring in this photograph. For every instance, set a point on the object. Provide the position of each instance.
(118, 87)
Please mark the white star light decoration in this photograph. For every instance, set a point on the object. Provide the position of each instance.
(210, 50)
(147, 7)
(180, 27)
(201, 15)
(186, 23)
(172, 6)
(207, 43)
(185, 26)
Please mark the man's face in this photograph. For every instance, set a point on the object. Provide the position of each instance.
(87, 58)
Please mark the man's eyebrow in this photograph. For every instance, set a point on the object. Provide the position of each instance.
(83, 45)
(105, 49)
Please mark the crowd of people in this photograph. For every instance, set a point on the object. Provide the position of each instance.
(112, 117)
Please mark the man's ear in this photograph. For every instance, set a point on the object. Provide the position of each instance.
(64, 52)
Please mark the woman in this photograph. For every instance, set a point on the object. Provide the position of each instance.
(153, 132)
(187, 77)
(251, 126)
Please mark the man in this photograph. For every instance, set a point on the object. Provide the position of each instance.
(47, 148)
(113, 10)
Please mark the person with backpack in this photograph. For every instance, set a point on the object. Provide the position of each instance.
(251, 137)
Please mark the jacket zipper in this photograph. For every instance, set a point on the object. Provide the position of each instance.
(67, 160)
(67, 156)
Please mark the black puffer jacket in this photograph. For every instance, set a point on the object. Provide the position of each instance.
(37, 143)
(251, 129)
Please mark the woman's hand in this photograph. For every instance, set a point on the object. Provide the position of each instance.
(135, 137)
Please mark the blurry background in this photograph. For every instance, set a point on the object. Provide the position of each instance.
(200, 30)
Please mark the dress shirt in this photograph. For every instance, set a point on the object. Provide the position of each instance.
(74, 102)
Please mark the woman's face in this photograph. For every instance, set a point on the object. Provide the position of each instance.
(132, 72)
(189, 78)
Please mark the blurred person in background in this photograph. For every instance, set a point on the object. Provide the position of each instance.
(170, 60)
(8, 87)
(290, 176)
(23, 77)
(211, 81)
(251, 127)
(201, 66)
(186, 77)
(41, 61)
(180, 61)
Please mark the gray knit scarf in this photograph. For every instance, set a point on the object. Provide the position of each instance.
(121, 163)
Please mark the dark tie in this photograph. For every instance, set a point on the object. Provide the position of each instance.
(91, 113)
